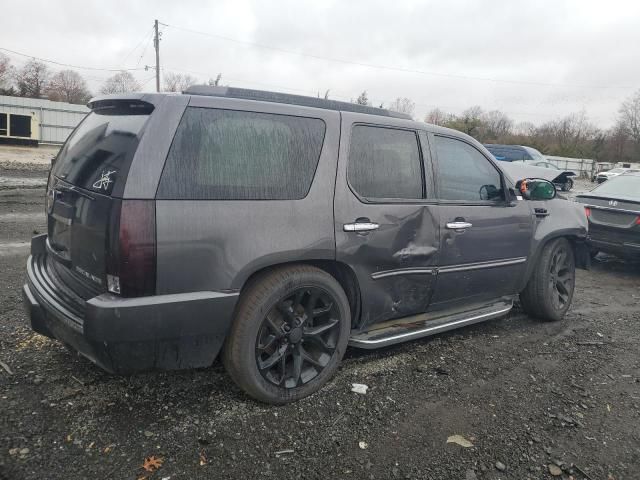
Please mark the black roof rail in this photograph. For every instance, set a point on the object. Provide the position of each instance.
(302, 100)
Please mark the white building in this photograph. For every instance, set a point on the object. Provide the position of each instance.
(31, 121)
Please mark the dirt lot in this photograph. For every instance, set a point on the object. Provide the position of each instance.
(527, 396)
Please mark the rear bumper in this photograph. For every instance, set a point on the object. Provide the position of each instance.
(625, 249)
(125, 335)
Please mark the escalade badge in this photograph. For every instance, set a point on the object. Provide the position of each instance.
(613, 203)
(105, 181)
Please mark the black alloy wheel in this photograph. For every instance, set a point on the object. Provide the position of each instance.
(289, 333)
(298, 337)
(561, 278)
(550, 288)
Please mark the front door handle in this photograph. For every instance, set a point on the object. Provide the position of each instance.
(459, 225)
(360, 227)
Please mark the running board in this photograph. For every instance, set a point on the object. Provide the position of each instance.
(425, 324)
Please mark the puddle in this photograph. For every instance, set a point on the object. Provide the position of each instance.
(14, 248)
(39, 217)
(21, 182)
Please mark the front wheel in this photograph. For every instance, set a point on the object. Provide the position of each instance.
(289, 334)
(549, 292)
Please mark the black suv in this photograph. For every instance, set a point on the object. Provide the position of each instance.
(278, 229)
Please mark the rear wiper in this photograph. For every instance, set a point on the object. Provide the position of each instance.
(72, 189)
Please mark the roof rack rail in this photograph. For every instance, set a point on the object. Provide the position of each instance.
(302, 100)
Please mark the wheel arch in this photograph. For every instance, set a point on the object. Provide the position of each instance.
(576, 239)
(343, 274)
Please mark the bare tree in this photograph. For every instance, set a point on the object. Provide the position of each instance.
(32, 79)
(121, 82)
(496, 125)
(362, 99)
(68, 86)
(178, 82)
(438, 117)
(216, 82)
(469, 122)
(629, 119)
(5, 70)
(403, 105)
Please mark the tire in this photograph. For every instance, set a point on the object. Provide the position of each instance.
(288, 313)
(568, 185)
(549, 292)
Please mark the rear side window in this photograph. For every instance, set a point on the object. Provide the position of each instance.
(233, 155)
(464, 174)
(98, 154)
(385, 163)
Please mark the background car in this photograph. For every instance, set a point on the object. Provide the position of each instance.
(613, 210)
(515, 153)
(564, 180)
(604, 176)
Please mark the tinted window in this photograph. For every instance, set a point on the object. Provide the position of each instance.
(99, 152)
(464, 173)
(232, 155)
(385, 163)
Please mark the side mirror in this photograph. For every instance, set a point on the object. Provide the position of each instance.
(536, 189)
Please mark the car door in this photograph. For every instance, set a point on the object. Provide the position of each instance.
(386, 226)
(485, 236)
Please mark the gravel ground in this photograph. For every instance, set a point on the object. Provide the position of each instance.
(531, 399)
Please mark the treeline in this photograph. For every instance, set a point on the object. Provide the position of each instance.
(571, 136)
(35, 80)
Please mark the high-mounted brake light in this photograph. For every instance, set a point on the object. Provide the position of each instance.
(132, 269)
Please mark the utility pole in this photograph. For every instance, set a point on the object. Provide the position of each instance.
(156, 44)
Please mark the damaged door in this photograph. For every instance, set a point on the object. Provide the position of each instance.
(386, 229)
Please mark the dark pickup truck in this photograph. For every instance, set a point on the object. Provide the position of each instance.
(276, 230)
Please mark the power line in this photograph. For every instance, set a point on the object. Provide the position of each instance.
(146, 37)
(387, 67)
(68, 64)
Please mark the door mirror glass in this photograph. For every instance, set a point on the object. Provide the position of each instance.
(536, 189)
(490, 192)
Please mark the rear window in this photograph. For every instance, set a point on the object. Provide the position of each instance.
(624, 186)
(233, 155)
(98, 154)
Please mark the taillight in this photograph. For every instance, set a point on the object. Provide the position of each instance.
(638, 221)
(132, 266)
(587, 211)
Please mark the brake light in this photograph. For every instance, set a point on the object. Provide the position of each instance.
(587, 211)
(638, 220)
(132, 269)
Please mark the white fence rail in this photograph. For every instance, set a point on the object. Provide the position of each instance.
(583, 167)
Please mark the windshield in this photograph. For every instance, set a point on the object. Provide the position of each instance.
(623, 186)
(99, 152)
(535, 154)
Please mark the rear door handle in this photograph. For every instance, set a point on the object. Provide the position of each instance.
(459, 225)
(360, 227)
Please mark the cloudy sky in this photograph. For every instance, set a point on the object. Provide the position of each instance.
(535, 60)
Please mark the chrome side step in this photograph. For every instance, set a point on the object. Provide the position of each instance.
(423, 325)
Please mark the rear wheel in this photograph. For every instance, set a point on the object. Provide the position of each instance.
(289, 334)
(549, 292)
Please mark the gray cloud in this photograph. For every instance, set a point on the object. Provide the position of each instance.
(572, 46)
